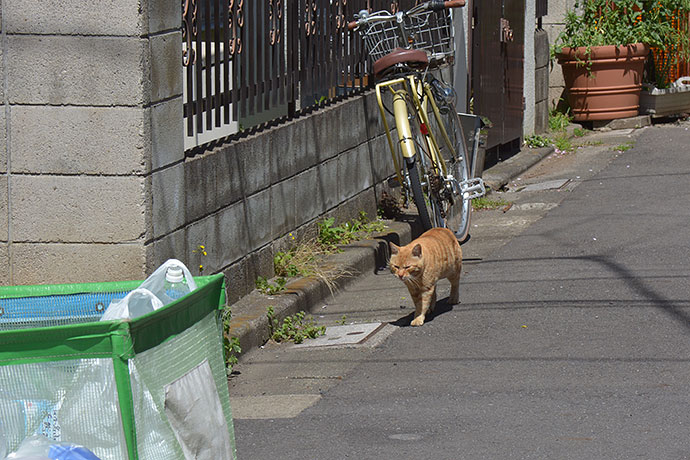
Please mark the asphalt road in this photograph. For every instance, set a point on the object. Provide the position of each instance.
(572, 339)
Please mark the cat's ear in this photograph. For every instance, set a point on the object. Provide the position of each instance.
(394, 249)
(417, 250)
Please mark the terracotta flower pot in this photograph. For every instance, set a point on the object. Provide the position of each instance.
(607, 84)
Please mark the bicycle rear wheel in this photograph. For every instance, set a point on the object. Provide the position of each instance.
(457, 209)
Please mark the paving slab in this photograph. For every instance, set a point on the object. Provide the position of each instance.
(338, 336)
(547, 185)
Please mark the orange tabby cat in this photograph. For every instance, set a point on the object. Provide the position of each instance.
(434, 255)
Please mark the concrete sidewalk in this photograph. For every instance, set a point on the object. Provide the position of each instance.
(249, 322)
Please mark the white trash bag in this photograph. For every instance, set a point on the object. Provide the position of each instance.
(169, 282)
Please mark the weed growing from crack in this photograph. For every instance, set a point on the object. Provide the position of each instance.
(231, 345)
(270, 287)
(295, 328)
(484, 203)
(623, 147)
(562, 143)
(306, 258)
(558, 121)
(331, 235)
(536, 141)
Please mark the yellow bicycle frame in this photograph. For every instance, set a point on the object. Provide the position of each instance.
(401, 89)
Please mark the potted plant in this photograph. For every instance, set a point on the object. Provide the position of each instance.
(602, 51)
(666, 90)
(673, 99)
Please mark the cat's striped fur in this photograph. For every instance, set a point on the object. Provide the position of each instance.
(436, 254)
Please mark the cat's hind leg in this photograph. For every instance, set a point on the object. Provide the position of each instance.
(454, 289)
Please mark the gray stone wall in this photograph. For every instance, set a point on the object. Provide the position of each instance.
(242, 201)
(95, 184)
(536, 74)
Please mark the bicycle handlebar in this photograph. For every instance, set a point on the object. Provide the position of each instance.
(438, 5)
(433, 5)
(454, 3)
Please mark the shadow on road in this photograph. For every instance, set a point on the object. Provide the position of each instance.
(442, 306)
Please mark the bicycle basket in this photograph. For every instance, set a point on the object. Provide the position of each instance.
(433, 32)
(382, 37)
(429, 31)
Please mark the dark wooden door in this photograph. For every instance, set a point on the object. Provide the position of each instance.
(497, 73)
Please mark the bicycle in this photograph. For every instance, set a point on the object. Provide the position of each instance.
(405, 48)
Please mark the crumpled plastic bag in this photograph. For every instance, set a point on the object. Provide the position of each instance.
(42, 448)
(137, 303)
(149, 296)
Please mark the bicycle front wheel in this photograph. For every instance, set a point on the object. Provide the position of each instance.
(427, 209)
(424, 172)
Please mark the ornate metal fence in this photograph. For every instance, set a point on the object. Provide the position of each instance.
(248, 62)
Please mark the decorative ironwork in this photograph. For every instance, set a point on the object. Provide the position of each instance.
(310, 22)
(298, 56)
(189, 30)
(275, 16)
(340, 21)
(235, 25)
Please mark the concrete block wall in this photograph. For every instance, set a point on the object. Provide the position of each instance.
(536, 74)
(553, 24)
(541, 81)
(244, 199)
(91, 104)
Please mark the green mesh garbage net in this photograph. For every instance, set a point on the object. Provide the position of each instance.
(125, 389)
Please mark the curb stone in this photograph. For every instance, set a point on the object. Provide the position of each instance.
(499, 175)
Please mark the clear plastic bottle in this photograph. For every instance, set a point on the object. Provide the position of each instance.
(175, 284)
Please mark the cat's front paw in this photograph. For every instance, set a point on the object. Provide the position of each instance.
(418, 321)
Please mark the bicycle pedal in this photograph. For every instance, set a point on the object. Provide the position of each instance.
(472, 188)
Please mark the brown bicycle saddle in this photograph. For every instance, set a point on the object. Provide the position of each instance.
(415, 58)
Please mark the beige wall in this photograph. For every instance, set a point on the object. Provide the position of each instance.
(86, 96)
